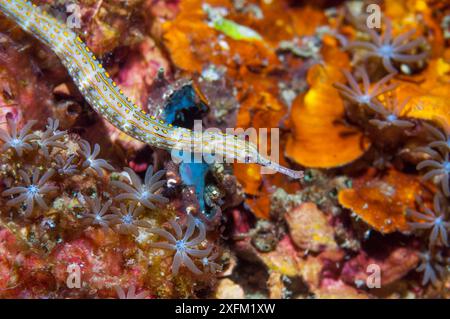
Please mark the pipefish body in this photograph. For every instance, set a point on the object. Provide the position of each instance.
(103, 94)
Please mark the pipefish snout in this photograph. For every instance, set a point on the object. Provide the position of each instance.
(103, 94)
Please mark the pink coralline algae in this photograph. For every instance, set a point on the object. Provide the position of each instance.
(393, 265)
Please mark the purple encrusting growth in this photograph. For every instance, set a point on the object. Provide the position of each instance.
(127, 219)
(439, 166)
(432, 267)
(20, 141)
(33, 190)
(390, 49)
(391, 116)
(90, 158)
(96, 213)
(366, 95)
(434, 220)
(183, 245)
(51, 137)
(144, 193)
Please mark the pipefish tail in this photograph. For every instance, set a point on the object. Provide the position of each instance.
(103, 94)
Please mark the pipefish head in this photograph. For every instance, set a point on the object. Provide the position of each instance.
(270, 166)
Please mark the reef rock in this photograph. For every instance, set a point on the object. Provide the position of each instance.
(309, 228)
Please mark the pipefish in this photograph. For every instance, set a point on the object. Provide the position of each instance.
(108, 100)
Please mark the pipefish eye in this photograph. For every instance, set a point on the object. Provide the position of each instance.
(248, 159)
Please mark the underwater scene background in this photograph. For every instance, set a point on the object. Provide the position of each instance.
(224, 149)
